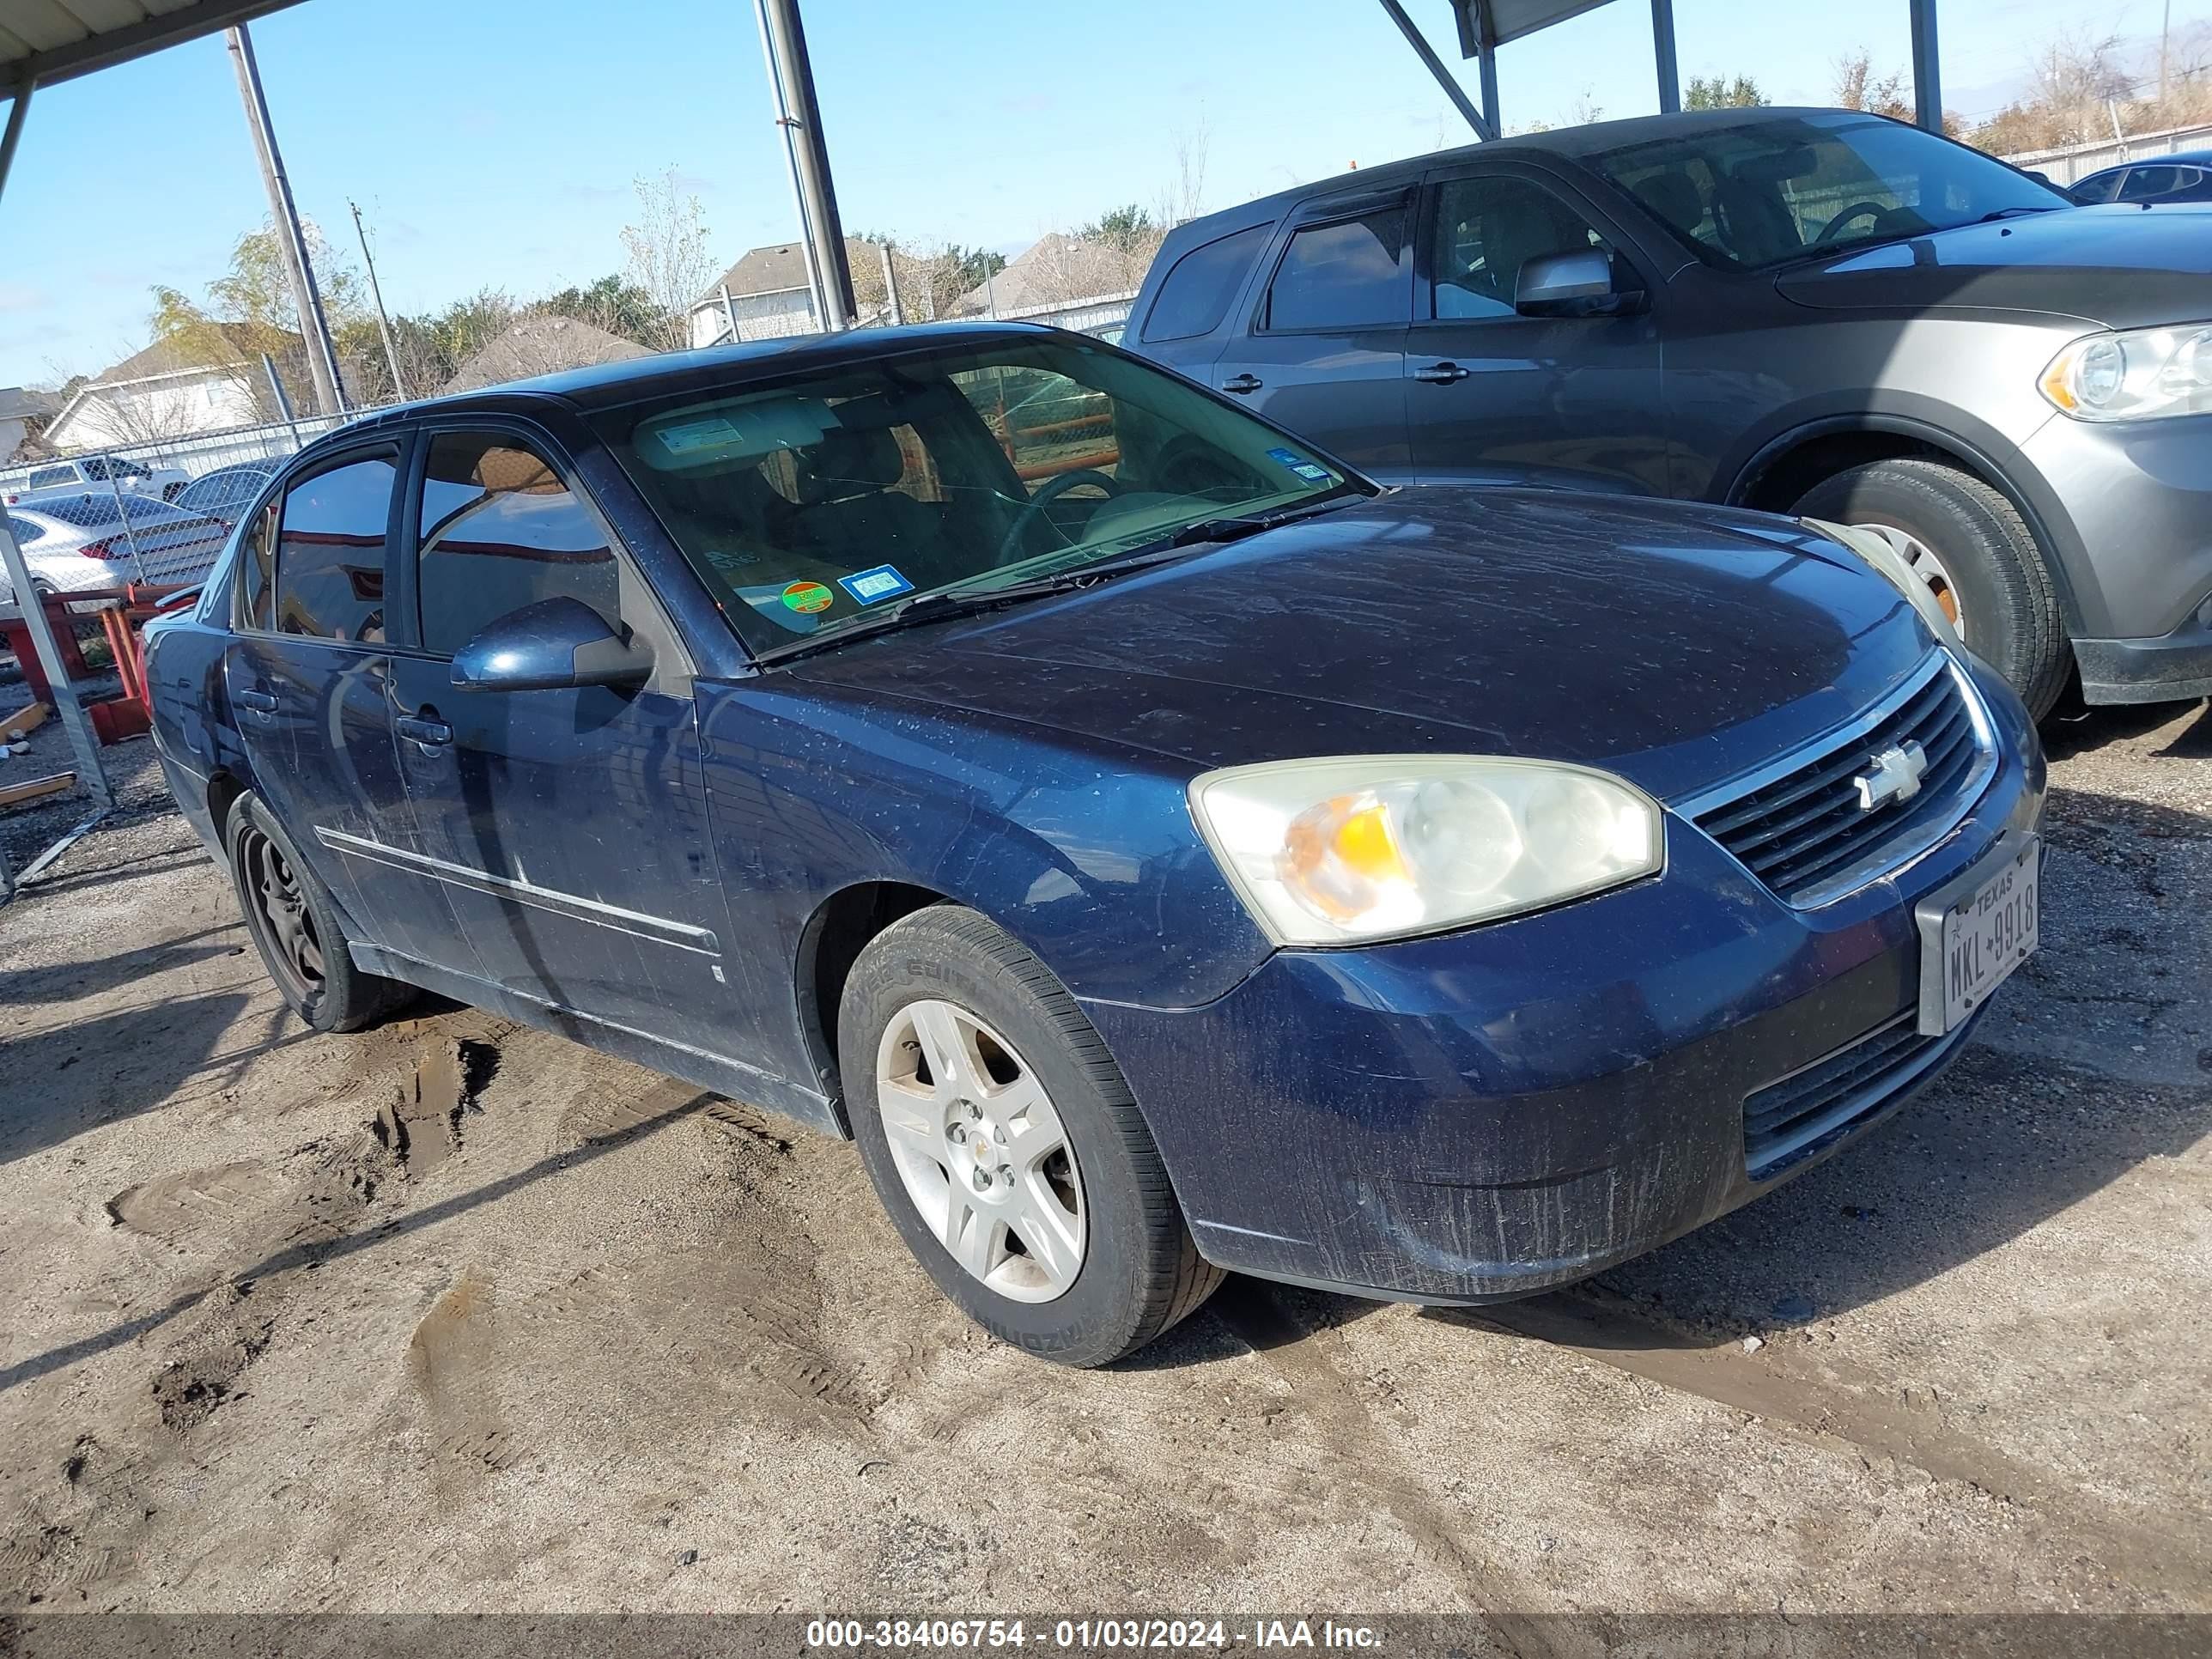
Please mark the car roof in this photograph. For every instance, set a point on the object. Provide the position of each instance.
(722, 367)
(1575, 144)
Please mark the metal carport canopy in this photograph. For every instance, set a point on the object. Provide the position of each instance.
(43, 41)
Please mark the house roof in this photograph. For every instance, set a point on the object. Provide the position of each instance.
(246, 341)
(21, 403)
(1054, 267)
(776, 268)
(541, 345)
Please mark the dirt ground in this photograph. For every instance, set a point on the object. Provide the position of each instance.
(457, 1316)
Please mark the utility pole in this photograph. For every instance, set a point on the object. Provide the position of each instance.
(376, 294)
(791, 76)
(2165, 39)
(314, 327)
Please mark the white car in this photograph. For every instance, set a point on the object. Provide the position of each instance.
(79, 542)
(81, 473)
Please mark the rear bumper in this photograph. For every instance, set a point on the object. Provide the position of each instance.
(1486, 1114)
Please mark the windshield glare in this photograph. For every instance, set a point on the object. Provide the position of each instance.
(833, 494)
(1772, 191)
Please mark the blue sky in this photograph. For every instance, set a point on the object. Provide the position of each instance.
(494, 142)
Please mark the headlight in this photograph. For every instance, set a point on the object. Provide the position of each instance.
(1901, 576)
(1370, 847)
(2135, 376)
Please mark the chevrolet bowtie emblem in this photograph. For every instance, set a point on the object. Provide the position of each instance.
(1893, 774)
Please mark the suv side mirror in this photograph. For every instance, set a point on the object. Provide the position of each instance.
(1578, 285)
(553, 645)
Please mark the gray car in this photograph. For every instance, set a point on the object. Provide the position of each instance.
(1813, 311)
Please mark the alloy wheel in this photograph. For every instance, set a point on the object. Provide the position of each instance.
(1921, 560)
(982, 1150)
(280, 913)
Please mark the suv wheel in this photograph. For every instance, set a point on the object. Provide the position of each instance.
(1976, 553)
(297, 929)
(1003, 1142)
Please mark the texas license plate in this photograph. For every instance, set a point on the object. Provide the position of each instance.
(1979, 931)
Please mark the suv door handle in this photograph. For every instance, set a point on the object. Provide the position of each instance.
(430, 733)
(1442, 373)
(262, 702)
(1243, 385)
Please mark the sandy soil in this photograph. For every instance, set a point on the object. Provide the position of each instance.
(458, 1315)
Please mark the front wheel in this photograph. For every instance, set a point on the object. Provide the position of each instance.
(1975, 552)
(1003, 1142)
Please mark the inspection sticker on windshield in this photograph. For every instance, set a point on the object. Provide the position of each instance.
(1310, 471)
(806, 598)
(699, 434)
(883, 582)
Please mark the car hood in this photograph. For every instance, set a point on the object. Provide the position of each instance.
(2116, 266)
(1673, 644)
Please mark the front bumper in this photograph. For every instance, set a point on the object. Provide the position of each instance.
(1485, 1115)
(2137, 496)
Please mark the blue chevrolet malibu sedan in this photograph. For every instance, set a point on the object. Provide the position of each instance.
(1163, 851)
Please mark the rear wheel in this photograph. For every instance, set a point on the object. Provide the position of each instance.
(1977, 555)
(1003, 1142)
(298, 930)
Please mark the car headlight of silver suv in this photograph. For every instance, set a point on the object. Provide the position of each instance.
(2137, 374)
(1356, 848)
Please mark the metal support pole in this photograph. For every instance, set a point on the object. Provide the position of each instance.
(890, 285)
(84, 742)
(800, 116)
(17, 109)
(1445, 78)
(376, 294)
(1927, 67)
(730, 312)
(1662, 55)
(123, 514)
(314, 327)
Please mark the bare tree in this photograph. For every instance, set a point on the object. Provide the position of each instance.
(1857, 86)
(1183, 196)
(668, 256)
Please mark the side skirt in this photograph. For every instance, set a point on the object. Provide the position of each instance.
(725, 1076)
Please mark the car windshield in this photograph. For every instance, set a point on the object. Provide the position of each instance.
(807, 503)
(1771, 191)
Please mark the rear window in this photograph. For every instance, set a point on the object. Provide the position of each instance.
(1195, 294)
(330, 552)
(1351, 274)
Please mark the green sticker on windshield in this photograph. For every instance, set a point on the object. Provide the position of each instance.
(806, 598)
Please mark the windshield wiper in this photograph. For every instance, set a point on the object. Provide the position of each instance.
(944, 603)
(2007, 213)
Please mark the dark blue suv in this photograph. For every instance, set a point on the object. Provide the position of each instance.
(1162, 849)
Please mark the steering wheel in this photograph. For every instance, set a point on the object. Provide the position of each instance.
(1052, 491)
(1874, 210)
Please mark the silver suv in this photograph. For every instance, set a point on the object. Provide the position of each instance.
(1814, 312)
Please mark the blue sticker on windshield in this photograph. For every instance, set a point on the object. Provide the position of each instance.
(883, 582)
(1309, 471)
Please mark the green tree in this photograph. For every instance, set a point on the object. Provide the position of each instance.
(1128, 230)
(1715, 91)
(612, 303)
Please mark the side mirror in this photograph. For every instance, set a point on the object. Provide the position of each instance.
(1578, 285)
(551, 645)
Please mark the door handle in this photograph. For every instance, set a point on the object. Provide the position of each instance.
(1442, 374)
(262, 702)
(430, 733)
(1243, 385)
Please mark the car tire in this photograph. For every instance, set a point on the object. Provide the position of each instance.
(297, 929)
(2007, 605)
(1126, 1269)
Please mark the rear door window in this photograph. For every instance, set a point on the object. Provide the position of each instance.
(1348, 274)
(501, 530)
(2098, 186)
(51, 477)
(330, 552)
(1196, 293)
(2148, 184)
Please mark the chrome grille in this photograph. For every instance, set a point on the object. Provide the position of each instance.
(1800, 826)
(1802, 1113)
